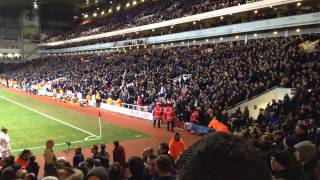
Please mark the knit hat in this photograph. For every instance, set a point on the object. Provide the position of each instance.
(282, 157)
(307, 150)
(290, 141)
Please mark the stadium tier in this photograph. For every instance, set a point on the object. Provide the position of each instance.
(159, 90)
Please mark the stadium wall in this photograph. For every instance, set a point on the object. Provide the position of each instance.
(261, 101)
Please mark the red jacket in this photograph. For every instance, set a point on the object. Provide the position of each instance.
(169, 114)
(157, 112)
(194, 117)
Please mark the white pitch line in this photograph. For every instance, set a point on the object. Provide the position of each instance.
(48, 116)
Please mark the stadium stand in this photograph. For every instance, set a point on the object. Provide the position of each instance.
(200, 82)
(157, 11)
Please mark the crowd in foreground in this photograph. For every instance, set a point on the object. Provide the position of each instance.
(216, 156)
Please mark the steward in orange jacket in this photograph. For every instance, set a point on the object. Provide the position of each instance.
(157, 114)
(176, 146)
(218, 126)
(169, 117)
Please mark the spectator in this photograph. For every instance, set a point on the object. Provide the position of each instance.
(23, 159)
(222, 156)
(33, 167)
(163, 168)
(151, 164)
(99, 173)
(115, 172)
(306, 154)
(163, 149)
(119, 154)
(78, 157)
(50, 159)
(104, 156)
(136, 167)
(283, 166)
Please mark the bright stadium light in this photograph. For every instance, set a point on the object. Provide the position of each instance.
(237, 37)
(110, 10)
(142, 0)
(255, 11)
(299, 4)
(118, 8)
(255, 35)
(86, 16)
(134, 3)
(207, 40)
(102, 12)
(275, 32)
(128, 5)
(298, 30)
(10, 55)
(221, 17)
(1, 55)
(95, 14)
(35, 4)
(221, 38)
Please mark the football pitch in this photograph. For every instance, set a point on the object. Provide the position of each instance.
(32, 122)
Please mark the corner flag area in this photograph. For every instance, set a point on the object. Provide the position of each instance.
(32, 122)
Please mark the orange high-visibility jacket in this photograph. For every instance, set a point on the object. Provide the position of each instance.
(176, 148)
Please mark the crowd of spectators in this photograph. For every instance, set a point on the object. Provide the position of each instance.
(157, 11)
(220, 75)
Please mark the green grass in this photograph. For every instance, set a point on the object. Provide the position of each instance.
(29, 129)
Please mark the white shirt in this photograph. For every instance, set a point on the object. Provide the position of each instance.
(5, 147)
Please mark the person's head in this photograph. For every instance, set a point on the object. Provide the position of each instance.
(8, 173)
(163, 165)
(280, 160)
(289, 143)
(115, 172)
(65, 172)
(223, 156)
(99, 173)
(152, 164)
(301, 129)
(78, 150)
(116, 143)
(25, 154)
(4, 130)
(94, 149)
(305, 151)
(136, 166)
(163, 149)
(49, 144)
(30, 176)
(177, 137)
(8, 161)
(146, 153)
(102, 147)
(277, 135)
(32, 158)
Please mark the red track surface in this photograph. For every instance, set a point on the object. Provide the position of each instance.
(132, 147)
